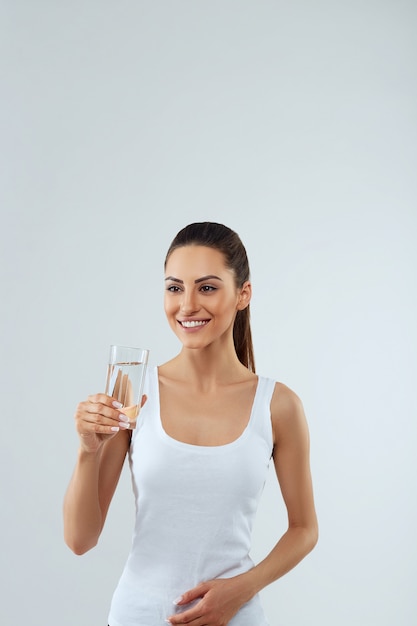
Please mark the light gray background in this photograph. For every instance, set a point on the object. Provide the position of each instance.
(295, 124)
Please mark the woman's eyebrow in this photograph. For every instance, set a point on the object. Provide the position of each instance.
(197, 280)
(208, 277)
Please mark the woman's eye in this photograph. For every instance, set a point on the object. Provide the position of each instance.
(203, 288)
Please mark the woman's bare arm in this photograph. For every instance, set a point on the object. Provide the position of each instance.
(292, 464)
(104, 442)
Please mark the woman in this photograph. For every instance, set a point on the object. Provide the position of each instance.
(199, 455)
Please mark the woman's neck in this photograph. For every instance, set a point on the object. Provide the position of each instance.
(205, 369)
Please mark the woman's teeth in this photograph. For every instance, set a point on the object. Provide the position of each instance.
(193, 323)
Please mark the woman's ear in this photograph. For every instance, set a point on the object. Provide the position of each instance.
(245, 296)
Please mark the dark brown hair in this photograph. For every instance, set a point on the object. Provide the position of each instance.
(228, 242)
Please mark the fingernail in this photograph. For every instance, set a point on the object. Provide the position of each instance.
(123, 417)
(115, 429)
(177, 600)
(117, 405)
(124, 424)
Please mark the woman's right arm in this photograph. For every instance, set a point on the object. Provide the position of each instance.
(104, 442)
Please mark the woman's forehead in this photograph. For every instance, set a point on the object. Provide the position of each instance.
(194, 259)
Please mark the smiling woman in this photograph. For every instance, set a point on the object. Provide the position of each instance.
(201, 303)
(217, 237)
(199, 456)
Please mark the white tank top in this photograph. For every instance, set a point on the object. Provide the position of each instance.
(195, 508)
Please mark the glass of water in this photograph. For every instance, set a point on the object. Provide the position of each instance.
(125, 377)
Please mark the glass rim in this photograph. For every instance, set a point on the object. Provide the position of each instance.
(119, 345)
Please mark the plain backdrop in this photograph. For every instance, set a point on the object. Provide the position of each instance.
(295, 124)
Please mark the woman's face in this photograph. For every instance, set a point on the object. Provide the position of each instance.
(201, 297)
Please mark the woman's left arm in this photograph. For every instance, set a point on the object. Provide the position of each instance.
(291, 457)
(222, 598)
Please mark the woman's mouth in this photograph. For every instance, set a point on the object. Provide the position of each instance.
(193, 323)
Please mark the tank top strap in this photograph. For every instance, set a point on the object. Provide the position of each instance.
(261, 416)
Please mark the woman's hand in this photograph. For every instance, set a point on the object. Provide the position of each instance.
(98, 419)
(218, 601)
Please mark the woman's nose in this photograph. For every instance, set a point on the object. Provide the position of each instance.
(189, 303)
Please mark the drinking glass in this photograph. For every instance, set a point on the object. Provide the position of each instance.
(125, 377)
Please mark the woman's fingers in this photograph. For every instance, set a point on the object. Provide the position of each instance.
(100, 414)
(102, 398)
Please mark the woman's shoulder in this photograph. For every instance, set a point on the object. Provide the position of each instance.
(286, 404)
